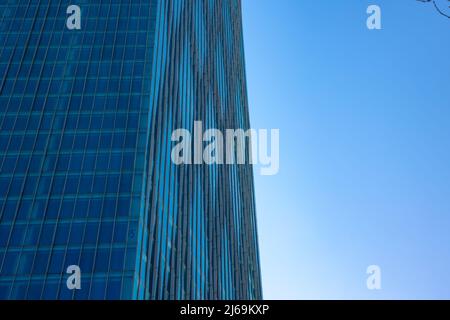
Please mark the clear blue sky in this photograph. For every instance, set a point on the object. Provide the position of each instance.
(364, 119)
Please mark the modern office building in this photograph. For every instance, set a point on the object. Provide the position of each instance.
(86, 117)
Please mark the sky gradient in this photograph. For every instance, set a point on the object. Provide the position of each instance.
(364, 119)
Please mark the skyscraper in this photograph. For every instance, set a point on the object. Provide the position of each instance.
(86, 180)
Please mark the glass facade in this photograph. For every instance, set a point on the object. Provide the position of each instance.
(86, 177)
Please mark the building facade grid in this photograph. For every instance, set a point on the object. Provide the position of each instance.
(86, 178)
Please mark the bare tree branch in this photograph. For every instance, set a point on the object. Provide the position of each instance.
(447, 15)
